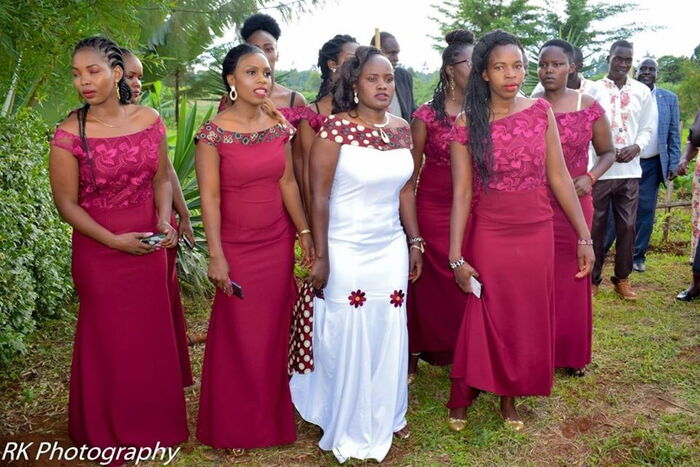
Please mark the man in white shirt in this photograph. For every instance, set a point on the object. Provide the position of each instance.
(633, 116)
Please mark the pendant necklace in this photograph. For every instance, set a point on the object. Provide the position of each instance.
(380, 127)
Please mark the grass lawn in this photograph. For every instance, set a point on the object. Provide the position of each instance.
(638, 404)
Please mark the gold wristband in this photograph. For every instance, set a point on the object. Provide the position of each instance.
(305, 231)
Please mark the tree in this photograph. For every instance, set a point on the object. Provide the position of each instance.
(37, 38)
(518, 17)
(578, 21)
(670, 68)
(186, 29)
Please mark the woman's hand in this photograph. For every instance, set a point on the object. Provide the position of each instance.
(586, 258)
(131, 243)
(218, 274)
(185, 229)
(307, 248)
(463, 275)
(170, 240)
(583, 184)
(318, 277)
(415, 264)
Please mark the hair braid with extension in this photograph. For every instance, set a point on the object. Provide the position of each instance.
(228, 67)
(456, 40)
(477, 102)
(349, 76)
(114, 57)
(330, 51)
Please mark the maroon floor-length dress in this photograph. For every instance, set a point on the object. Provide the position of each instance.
(245, 400)
(126, 385)
(573, 307)
(435, 302)
(506, 341)
(178, 313)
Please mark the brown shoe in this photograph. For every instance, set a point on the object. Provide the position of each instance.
(624, 289)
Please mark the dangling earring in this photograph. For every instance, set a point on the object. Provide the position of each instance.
(355, 99)
(119, 95)
(333, 70)
(452, 88)
(232, 94)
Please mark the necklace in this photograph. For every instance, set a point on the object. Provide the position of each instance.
(379, 126)
(105, 123)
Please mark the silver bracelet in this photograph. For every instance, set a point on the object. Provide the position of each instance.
(417, 239)
(457, 263)
(585, 241)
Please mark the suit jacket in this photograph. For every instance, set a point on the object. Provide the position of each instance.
(404, 91)
(669, 130)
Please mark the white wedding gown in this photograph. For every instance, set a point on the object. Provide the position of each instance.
(358, 392)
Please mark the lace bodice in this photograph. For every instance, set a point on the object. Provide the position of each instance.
(519, 149)
(118, 171)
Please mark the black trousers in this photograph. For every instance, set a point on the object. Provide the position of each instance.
(623, 196)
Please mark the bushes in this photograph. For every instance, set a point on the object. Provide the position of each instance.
(35, 281)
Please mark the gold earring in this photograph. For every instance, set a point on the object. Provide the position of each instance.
(452, 88)
(233, 94)
(354, 98)
(119, 96)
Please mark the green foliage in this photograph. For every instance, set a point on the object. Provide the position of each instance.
(192, 263)
(688, 95)
(423, 85)
(37, 39)
(178, 35)
(670, 68)
(578, 22)
(34, 243)
(518, 17)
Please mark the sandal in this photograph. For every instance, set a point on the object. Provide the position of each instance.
(576, 372)
(403, 433)
(193, 339)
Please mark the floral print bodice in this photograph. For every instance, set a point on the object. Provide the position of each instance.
(519, 149)
(117, 171)
(575, 134)
(439, 136)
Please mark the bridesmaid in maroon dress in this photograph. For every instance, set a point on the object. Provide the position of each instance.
(246, 181)
(263, 31)
(504, 154)
(580, 120)
(108, 169)
(330, 59)
(435, 303)
(133, 74)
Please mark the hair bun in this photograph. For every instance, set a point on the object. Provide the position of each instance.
(459, 36)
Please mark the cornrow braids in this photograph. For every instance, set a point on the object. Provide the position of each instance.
(115, 58)
(349, 76)
(330, 51)
(456, 41)
(477, 102)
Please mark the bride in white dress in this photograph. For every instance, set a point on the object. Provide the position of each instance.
(362, 202)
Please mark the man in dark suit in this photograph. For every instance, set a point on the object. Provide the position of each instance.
(403, 104)
(658, 160)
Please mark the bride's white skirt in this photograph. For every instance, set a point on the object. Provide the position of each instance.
(358, 392)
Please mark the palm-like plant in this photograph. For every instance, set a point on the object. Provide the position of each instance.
(189, 27)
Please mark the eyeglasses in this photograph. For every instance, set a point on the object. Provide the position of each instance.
(467, 61)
